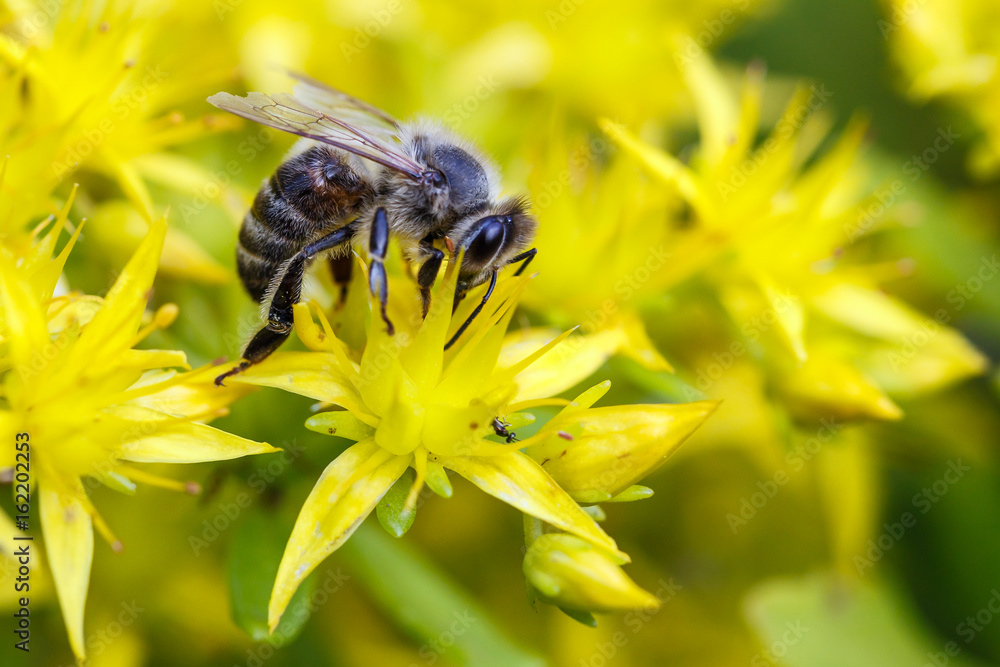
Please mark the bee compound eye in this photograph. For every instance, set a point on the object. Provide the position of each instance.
(487, 242)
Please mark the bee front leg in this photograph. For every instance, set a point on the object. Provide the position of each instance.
(279, 317)
(378, 246)
(525, 257)
(474, 313)
(428, 272)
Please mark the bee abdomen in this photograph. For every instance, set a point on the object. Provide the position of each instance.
(309, 195)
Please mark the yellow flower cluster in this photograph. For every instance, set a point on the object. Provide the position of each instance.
(89, 406)
(949, 49)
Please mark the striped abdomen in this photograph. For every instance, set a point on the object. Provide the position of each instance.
(310, 194)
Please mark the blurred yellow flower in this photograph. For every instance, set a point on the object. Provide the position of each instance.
(949, 49)
(83, 90)
(90, 405)
(768, 234)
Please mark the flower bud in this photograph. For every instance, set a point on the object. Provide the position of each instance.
(573, 574)
(596, 454)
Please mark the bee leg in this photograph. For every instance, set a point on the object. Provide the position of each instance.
(472, 316)
(279, 317)
(378, 246)
(525, 257)
(341, 268)
(428, 273)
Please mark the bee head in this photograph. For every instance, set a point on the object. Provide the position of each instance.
(493, 238)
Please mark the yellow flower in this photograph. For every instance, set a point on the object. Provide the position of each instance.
(408, 403)
(947, 49)
(597, 454)
(83, 89)
(767, 235)
(570, 573)
(590, 238)
(89, 405)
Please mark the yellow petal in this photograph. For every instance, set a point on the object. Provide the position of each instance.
(178, 441)
(22, 318)
(825, 387)
(562, 367)
(317, 375)
(663, 165)
(114, 325)
(69, 546)
(612, 448)
(519, 481)
(571, 573)
(345, 494)
(340, 423)
(790, 315)
(716, 107)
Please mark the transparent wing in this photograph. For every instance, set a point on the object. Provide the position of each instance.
(337, 103)
(290, 114)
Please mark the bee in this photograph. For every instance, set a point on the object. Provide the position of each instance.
(359, 178)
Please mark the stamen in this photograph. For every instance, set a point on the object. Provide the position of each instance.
(163, 318)
(190, 487)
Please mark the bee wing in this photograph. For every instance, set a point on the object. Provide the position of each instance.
(337, 103)
(290, 114)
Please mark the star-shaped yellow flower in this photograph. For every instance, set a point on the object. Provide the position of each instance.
(408, 403)
(91, 405)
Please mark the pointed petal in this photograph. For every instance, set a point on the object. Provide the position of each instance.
(317, 375)
(69, 546)
(113, 327)
(345, 494)
(614, 447)
(340, 423)
(563, 366)
(21, 317)
(518, 481)
(177, 441)
(790, 314)
(665, 166)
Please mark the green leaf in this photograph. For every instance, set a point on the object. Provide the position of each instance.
(391, 510)
(427, 605)
(825, 621)
(253, 558)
